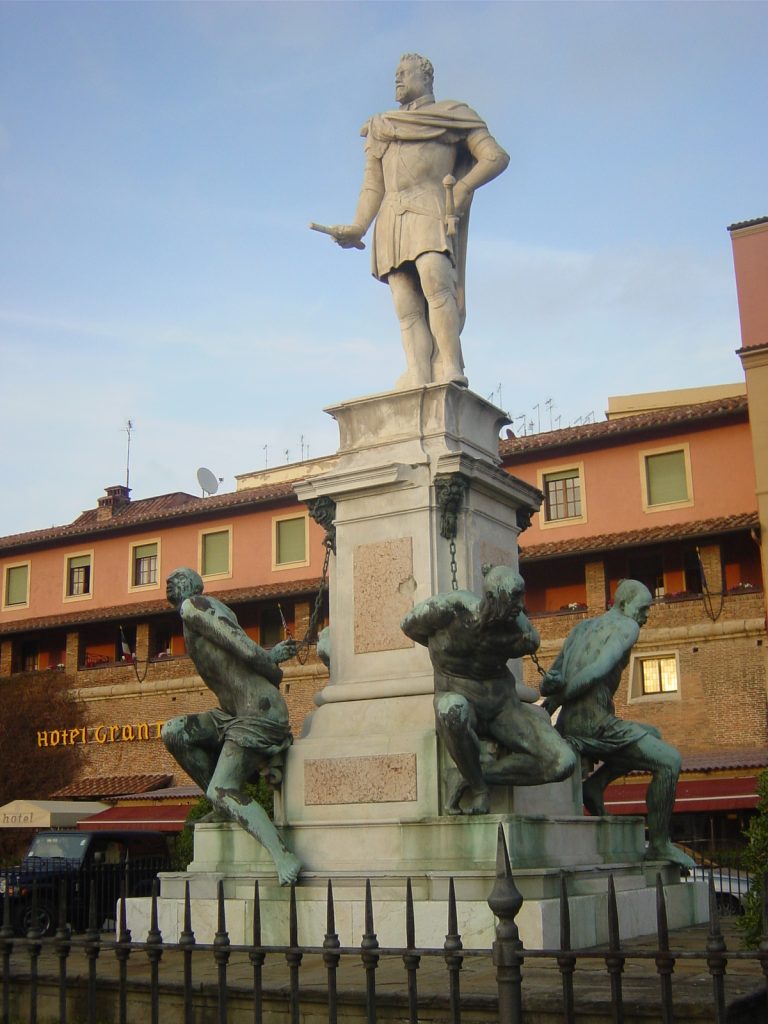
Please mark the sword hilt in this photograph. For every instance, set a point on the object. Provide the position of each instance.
(451, 220)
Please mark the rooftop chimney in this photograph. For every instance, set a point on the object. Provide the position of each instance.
(116, 498)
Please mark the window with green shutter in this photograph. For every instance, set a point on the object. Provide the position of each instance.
(214, 559)
(16, 584)
(666, 478)
(290, 540)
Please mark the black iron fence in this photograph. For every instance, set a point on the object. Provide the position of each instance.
(230, 979)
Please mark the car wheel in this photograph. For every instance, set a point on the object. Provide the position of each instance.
(44, 919)
(728, 905)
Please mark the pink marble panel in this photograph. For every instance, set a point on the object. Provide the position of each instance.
(383, 588)
(374, 779)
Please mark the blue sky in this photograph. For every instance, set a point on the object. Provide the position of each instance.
(161, 161)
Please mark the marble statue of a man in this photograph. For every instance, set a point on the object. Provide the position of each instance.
(227, 747)
(423, 165)
(582, 682)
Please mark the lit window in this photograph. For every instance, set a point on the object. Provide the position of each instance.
(78, 576)
(16, 589)
(655, 676)
(144, 565)
(562, 495)
(214, 553)
(290, 541)
(659, 675)
(666, 478)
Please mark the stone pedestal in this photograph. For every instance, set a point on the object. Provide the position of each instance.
(369, 752)
(362, 795)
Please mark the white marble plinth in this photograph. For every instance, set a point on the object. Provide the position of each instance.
(538, 921)
(430, 853)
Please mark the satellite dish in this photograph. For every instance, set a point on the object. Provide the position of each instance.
(207, 481)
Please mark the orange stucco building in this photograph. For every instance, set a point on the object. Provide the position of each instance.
(749, 240)
(88, 600)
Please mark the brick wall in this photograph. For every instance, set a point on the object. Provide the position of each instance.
(6, 658)
(723, 681)
(124, 714)
(594, 578)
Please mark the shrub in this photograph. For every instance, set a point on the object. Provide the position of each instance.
(755, 861)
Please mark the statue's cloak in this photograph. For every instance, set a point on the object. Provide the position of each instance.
(447, 121)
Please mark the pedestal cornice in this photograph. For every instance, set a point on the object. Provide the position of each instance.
(417, 425)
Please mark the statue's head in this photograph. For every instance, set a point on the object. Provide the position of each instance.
(181, 584)
(633, 599)
(414, 78)
(503, 592)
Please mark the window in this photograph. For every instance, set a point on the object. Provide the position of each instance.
(666, 478)
(289, 541)
(144, 559)
(562, 495)
(658, 675)
(654, 676)
(78, 575)
(215, 552)
(563, 488)
(16, 586)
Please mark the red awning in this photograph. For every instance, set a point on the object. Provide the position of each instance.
(716, 794)
(163, 817)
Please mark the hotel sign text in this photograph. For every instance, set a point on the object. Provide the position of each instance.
(99, 734)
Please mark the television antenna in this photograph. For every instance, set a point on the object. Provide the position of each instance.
(209, 484)
(128, 430)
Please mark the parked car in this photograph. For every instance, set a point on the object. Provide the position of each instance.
(731, 886)
(71, 861)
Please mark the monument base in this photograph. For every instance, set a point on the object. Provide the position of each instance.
(430, 853)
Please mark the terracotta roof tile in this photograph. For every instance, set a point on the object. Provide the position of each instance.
(712, 760)
(748, 223)
(112, 786)
(135, 509)
(189, 792)
(636, 538)
(126, 612)
(147, 511)
(682, 416)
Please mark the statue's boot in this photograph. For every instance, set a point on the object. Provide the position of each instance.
(670, 852)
